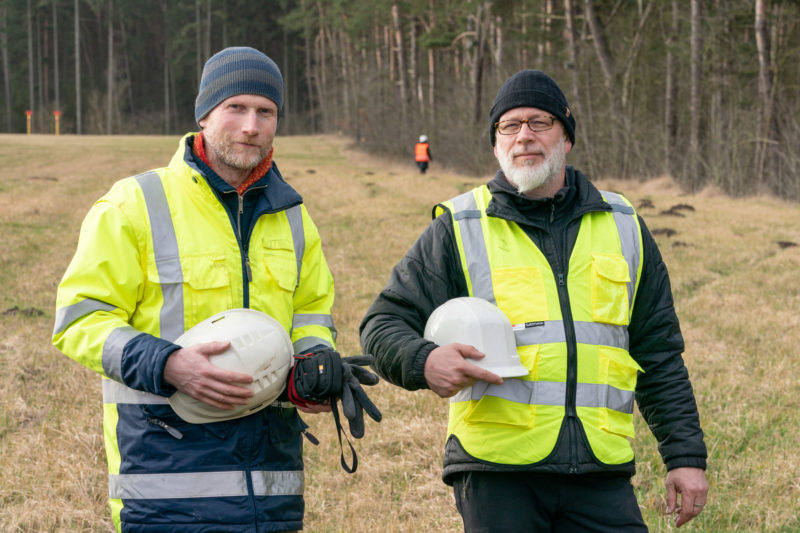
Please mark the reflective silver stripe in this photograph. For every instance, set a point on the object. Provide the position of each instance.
(69, 314)
(183, 485)
(602, 334)
(596, 395)
(295, 216)
(112, 351)
(312, 319)
(315, 319)
(204, 485)
(306, 343)
(278, 483)
(594, 333)
(549, 332)
(165, 250)
(550, 393)
(521, 391)
(624, 217)
(116, 392)
(468, 218)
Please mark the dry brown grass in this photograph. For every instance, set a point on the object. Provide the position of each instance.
(735, 288)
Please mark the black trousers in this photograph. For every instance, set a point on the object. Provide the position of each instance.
(515, 502)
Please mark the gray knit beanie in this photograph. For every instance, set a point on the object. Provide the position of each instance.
(237, 70)
(532, 88)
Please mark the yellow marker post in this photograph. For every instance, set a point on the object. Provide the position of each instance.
(28, 115)
(57, 117)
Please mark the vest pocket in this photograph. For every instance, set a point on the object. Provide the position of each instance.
(610, 277)
(617, 369)
(493, 410)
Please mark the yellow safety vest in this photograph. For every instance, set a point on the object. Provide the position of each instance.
(518, 422)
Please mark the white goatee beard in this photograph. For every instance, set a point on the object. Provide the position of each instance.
(528, 176)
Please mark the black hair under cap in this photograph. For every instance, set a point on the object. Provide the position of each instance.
(532, 88)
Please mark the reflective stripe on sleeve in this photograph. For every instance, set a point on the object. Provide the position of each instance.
(69, 314)
(165, 251)
(112, 351)
(306, 343)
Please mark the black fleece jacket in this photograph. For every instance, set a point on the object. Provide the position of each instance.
(431, 273)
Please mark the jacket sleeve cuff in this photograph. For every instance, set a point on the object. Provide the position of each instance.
(417, 372)
(681, 462)
(143, 361)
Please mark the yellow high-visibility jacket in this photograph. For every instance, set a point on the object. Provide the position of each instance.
(156, 255)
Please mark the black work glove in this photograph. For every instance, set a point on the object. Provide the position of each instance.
(354, 400)
(324, 376)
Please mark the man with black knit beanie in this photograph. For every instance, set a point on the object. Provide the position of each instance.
(216, 229)
(589, 305)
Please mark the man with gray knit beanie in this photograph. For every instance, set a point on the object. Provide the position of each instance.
(217, 229)
(588, 301)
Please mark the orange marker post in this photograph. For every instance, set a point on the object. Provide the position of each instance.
(57, 117)
(28, 115)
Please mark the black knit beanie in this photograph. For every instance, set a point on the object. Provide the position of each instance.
(237, 70)
(532, 88)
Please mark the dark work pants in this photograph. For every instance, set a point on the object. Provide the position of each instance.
(423, 166)
(497, 502)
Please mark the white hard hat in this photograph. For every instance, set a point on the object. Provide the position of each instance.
(423, 138)
(479, 323)
(259, 347)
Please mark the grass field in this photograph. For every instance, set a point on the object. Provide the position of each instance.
(735, 281)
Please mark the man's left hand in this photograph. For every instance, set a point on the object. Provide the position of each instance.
(692, 485)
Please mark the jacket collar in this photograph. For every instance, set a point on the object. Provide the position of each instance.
(576, 198)
(278, 194)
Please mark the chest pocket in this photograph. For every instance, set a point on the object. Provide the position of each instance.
(207, 283)
(610, 277)
(279, 263)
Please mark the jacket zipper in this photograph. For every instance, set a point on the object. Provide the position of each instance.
(163, 425)
(571, 413)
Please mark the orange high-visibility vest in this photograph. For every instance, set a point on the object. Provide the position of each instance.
(421, 152)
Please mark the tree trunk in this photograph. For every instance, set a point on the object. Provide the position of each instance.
(31, 64)
(401, 68)
(167, 60)
(312, 112)
(764, 85)
(198, 41)
(602, 51)
(127, 64)
(56, 77)
(110, 86)
(694, 178)
(670, 113)
(6, 70)
(78, 113)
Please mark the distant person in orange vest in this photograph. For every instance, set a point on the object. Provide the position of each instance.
(422, 154)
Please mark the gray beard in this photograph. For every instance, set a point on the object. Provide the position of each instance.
(527, 178)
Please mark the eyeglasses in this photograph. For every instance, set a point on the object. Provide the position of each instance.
(535, 124)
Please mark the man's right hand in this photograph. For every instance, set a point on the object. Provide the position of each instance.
(447, 369)
(190, 371)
